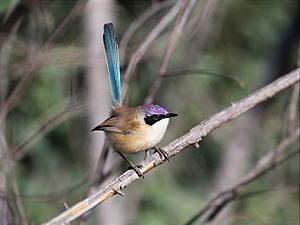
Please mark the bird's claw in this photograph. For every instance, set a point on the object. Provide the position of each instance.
(147, 154)
(136, 169)
(162, 153)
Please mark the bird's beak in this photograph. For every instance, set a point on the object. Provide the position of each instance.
(96, 128)
(171, 115)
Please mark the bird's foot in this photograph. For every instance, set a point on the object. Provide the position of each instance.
(132, 166)
(162, 153)
(147, 154)
(136, 169)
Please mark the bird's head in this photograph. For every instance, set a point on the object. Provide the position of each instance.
(155, 113)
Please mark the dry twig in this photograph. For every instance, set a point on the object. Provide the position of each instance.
(55, 197)
(264, 165)
(195, 135)
(177, 31)
(190, 72)
(18, 151)
(138, 54)
(36, 64)
(18, 200)
(137, 23)
(293, 108)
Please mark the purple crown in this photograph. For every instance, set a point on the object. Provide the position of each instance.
(154, 109)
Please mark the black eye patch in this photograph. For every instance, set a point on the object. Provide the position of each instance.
(150, 120)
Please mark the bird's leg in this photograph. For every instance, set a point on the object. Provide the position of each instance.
(147, 154)
(132, 166)
(161, 152)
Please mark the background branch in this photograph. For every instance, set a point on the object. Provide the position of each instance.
(265, 164)
(185, 10)
(292, 108)
(18, 151)
(37, 62)
(138, 54)
(137, 23)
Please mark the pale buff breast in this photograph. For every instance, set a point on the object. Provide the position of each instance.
(142, 139)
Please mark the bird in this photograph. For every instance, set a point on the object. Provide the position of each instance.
(130, 129)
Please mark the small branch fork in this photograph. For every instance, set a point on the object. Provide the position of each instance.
(194, 136)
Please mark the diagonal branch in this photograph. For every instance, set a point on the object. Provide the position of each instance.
(137, 23)
(176, 33)
(19, 150)
(18, 200)
(293, 108)
(40, 58)
(264, 165)
(138, 54)
(194, 136)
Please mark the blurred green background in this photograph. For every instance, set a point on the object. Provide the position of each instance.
(254, 41)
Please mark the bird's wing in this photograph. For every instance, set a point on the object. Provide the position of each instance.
(111, 125)
(117, 125)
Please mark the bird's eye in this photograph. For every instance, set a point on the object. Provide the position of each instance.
(150, 120)
(155, 117)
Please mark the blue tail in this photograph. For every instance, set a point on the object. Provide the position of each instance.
(113, 64)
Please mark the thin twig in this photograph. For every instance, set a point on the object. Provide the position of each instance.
(195, 135)
(186, 72)
(293, 108)
(251, 194)
(18, 151)
(264, 165)
(19, 203)
(138, 54)
(205, 22)
(50, 197)
(177, 31)
(74, 12)
(35, 65)
(137, 23)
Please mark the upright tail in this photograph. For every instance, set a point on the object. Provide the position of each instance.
(113, 64)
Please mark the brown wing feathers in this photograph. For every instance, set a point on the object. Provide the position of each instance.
(119, 121)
